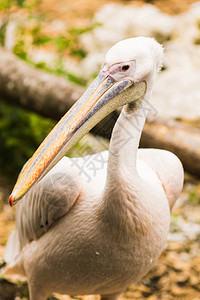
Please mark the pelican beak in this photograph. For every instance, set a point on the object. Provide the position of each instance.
(103, 96)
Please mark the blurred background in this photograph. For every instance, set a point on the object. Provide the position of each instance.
(50, 51)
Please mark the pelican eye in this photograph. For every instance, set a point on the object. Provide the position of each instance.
(125, 67)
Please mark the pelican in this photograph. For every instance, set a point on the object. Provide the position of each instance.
(77, 235)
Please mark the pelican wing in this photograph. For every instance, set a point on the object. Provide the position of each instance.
(167, 168)
(46, 202)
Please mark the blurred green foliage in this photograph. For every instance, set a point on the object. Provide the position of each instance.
(68, 42)
(6, 7)
(61, 71)
(8, 4)
(21, 132)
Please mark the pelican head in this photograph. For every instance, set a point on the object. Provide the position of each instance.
(126, 76)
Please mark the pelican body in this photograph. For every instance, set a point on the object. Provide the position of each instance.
(78, 236)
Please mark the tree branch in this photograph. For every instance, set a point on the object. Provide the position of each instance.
(33, 89)
(178, 137)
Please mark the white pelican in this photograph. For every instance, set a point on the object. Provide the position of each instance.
(78, 236)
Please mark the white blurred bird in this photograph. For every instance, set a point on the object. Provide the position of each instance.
(78, 236)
